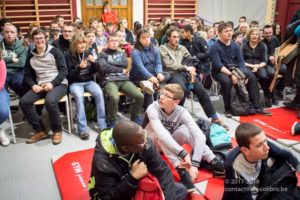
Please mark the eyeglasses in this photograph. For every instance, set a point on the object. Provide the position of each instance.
(38, 38)
(165, 95)
(67, 31)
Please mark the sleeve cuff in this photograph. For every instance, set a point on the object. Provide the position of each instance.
(182, 153)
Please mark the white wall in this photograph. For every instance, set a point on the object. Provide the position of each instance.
(231, 10)
(78, 8)
(138, 11)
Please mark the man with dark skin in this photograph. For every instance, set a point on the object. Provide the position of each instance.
(123, 156)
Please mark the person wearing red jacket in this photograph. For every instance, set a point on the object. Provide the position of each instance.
(108, 15)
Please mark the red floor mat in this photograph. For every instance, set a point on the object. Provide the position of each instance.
(277, 126)
(214, 189)
(72, 172)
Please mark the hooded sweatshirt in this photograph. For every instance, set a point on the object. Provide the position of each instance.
(49, 67)
(9, 52)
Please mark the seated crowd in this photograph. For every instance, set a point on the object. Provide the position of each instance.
(157, 66)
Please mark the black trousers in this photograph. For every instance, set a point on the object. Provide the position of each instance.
(226, 85)
(183, 80)
(51, 104)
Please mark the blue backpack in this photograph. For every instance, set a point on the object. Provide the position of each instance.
(217, 138)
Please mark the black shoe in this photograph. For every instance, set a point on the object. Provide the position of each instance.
(268, 102)
(227, 114)
(274, 100)
(218, 168)
(291, 104)
(84, 135)
(186, 179)
(263, 112)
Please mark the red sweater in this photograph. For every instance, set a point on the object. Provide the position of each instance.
(2, 74)
(110, 16)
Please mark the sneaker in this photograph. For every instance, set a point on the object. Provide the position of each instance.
(147, 87)
(37, 137)
(263, 112)
(221, 123)
(218, 168)
(291, 104)
(227, 114)
(186, 179)
(84, 135)
(295, 128)
(3, 138)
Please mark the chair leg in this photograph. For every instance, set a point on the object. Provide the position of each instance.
(71, 112)
(68, 116)
(12, 127)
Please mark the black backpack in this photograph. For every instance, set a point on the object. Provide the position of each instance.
(239, 97)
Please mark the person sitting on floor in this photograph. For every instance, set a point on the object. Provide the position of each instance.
(251, 168)
(170, 126)
(123, 156)
(45, 74)
(81, 65)
(4, 99)
(224, 55)
(146, 66)
(114, 77)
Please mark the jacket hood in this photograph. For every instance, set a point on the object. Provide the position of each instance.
(48, 49)
(105, 142)
(17, 44)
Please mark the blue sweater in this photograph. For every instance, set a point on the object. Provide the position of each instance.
(222, 55)
(145, 63)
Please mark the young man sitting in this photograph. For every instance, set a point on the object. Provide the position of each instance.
(123, 156)
(114, 77)
(171, 126)
(251, 168)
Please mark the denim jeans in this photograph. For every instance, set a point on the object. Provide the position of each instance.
(15, 81)
(4, 108)
(77, 90)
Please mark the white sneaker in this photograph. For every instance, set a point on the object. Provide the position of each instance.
(3, 138)
(147, 87)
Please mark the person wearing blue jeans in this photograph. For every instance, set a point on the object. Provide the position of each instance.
(77, 90)
(81, 64)
(4, 99)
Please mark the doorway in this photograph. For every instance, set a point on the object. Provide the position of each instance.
(93, 8)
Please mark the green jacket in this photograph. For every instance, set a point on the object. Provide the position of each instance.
(16, 50)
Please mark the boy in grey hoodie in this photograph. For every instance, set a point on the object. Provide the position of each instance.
(171, 126)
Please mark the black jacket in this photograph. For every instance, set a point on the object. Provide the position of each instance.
(77, 74)
(111, 65)
(110, 175)
(236, 186)
(62, 44)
